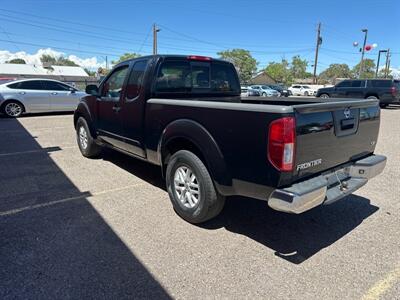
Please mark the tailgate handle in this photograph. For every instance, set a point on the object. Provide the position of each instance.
(347, 124)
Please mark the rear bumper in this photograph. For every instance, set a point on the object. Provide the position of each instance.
(327, 188)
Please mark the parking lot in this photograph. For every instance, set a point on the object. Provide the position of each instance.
(73, 227)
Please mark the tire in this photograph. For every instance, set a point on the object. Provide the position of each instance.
(382, 105)
(306, 94)
(372, 97)
(13, 109)
(264, 94)
(324, 96)
(194, 198)
(86, 143)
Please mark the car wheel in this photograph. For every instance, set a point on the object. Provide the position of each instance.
(382, 105)
(13, 109)
(86, 143)
(306, 94)
(264, 94)
(191, 189)
(372, 97)
(324, 96)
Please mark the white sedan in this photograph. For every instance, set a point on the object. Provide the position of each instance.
(302, 90)
(37, 96)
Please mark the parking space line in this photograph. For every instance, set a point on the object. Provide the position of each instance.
(33, 151)
(51, 203)
(379, 288)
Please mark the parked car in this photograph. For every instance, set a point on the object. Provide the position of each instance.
(185, 115)
(386, 90)
(37, 95)
(302, 90)
(284, 92)
(265, 91)
(246, 91)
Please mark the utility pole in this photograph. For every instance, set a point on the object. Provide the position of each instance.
(377, 64)
(363, 51)
(387, 63)
(319, 42)
(106, 62)
(155, 30)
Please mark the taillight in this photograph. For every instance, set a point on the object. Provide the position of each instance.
(281, 143)
(393, 90)
(198, 57)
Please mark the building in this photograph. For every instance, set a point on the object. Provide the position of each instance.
(262, 78)
(76, 76)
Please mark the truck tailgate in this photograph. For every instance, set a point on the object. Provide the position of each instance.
(333, 133)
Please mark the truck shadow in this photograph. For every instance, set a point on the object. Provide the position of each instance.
(54, 244)
(294, 238)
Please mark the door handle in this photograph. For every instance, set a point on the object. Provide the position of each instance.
(116, 108)
(22, 93)
(54, 93)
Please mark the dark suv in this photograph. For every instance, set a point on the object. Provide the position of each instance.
(386, 90)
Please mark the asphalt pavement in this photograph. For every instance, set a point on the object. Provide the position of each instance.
(72, 227)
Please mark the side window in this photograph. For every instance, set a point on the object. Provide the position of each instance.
(344, 83)
(55, 86)
(31, 85)
(358, 83)
(174, 76)
(112, 87)
(14, 85)
(381, 83)
(296, 86)
(135, 79)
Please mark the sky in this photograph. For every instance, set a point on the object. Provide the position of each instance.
(88, 31)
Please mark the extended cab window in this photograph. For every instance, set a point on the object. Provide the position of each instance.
(381, 83)
(196, 77)
(113, 86)
(358, 83)
(136, 79)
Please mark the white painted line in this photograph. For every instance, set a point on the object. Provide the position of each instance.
(51, 203)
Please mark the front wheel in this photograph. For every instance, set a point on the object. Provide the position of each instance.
(264, 94)
(306, 94)
(13, 109)
(191, 188)
(324, 96)
(86, 143)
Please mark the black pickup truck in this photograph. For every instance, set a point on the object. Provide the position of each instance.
(185, 114)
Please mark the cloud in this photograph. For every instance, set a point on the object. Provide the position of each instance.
(34, 59)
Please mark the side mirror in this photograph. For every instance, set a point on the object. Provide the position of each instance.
(92, 89)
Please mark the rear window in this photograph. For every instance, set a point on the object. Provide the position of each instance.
(381, 83)
(196, 77)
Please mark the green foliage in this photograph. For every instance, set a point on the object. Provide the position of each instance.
(19, 61)
(280, 71)
(124, 57)
(243, 61)
(90, 73)
(336, 71)
(368, 69)
(57, 61)
(381, 74)
(298, 67)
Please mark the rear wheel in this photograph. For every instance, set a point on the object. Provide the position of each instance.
(191, 189)
(13, 109)
(264, 94)
(324, 96)
(306, 94)
(86, 143)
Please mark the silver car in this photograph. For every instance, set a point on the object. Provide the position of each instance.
(37, 95)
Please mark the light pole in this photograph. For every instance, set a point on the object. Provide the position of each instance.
(377, 64)
(362, 52)
(155, 30)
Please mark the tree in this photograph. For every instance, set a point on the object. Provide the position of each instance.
(336, 71)
(368, 69)
(244, 63)
(279, 71)
(125, 56)
(19, 61)
(57, 61)
(90, 73)
(298, 67)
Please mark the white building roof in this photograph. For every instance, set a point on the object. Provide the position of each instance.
(22, 69)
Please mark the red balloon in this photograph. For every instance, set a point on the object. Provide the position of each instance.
(368, 47)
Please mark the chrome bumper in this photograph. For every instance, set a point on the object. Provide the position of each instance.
(327, 188)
